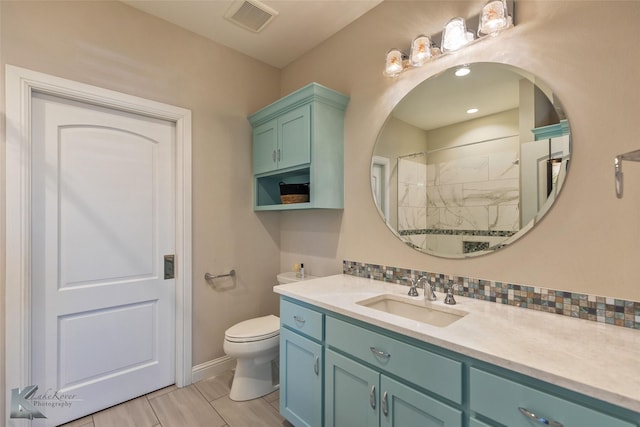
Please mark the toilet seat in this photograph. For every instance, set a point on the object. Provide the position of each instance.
(258, 329)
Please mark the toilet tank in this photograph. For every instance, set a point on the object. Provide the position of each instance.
(290, 277)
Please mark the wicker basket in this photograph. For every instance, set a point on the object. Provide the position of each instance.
(294, 198)
(294, 193)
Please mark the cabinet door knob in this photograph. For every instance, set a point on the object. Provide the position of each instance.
(316, 365)
(372, 397)
(383, 405)
(545, 421)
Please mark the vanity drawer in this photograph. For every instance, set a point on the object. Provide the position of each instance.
(420, 367)
(499, 399)
(301, 319)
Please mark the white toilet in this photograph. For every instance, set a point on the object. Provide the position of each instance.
(254, 344)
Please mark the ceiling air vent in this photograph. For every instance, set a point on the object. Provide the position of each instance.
(250, 14)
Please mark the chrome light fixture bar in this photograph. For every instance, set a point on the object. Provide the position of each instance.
(493, 19)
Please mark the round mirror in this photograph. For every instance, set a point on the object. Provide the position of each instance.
(470, 160)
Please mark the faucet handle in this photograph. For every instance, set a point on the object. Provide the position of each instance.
(413, 290)
(449, 299)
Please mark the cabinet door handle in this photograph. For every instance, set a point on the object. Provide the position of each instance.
(299, 319)
(545, 421)
(383, 404)
(380, 353)
(316, 365)
(372, 397)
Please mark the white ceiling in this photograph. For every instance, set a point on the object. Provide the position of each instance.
(299, 26)
(491, 88)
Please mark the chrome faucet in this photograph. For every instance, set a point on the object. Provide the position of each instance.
(428, 288)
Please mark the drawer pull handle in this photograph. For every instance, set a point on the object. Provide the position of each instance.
(316, 365)
(385, 409)
(372, 397)
(299, 319)
(380, 353)
(527, 413)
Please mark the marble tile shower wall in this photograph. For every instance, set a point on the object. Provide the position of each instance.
(412, 198)
(457, 201)
(589, 307)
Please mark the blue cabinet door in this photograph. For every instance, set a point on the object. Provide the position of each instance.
(284, 142)
(301, 371)
(294, 130)
(265, 146)
(402, 406)
(352, 395)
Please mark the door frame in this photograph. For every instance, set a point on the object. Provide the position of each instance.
(20, 84)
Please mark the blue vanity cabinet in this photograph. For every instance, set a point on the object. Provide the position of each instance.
(298, 140)
(301, 365)
(375, 380)
(499, 400)
(336, 371)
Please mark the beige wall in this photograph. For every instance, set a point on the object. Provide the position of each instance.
(590, 241)
(113, 46)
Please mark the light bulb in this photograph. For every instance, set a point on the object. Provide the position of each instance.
(494, 17)
(393, 63)
(455, 35)
(420, 50)
(462, 71)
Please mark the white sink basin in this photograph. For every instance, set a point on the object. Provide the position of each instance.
(414, 309)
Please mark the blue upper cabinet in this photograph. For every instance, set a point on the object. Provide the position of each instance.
(298, 140)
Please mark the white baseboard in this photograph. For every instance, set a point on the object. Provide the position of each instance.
(212, 368)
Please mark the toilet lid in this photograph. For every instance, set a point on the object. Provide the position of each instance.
(260, 328)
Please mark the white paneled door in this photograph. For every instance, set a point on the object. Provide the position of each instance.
(102, 294)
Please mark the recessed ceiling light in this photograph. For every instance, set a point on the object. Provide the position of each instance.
(462, 71)
(472, 110)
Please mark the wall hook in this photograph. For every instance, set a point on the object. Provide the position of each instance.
(633, 156)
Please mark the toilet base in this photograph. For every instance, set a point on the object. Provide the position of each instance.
(253, 380)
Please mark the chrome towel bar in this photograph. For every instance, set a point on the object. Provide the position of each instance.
(209, 276)
(633, 156)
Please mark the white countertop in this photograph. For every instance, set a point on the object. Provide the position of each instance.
(599, 360)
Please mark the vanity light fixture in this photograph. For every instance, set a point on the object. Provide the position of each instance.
(493, 19)
(420, 51)
(455, 35)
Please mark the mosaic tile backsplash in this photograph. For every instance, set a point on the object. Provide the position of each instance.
(589, 307)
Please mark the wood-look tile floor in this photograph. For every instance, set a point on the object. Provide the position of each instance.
(202, 404)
